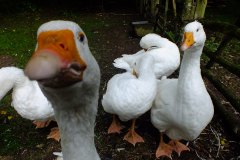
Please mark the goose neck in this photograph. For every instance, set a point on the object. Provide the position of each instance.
(75, 110)
(77, 133)
(190, 64)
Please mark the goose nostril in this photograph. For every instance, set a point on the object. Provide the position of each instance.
(63, 46)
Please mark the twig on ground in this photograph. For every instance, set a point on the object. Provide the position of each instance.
(199, 156)
(218, 139)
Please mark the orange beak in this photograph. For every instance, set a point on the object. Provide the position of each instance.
(188, 41)
(56, 61)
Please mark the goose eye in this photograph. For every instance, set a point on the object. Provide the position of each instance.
(81, 37)
(197, 29)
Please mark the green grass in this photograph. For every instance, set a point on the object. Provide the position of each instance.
(17, 42)
(12, 128)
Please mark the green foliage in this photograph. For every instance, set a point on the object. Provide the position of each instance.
(172, 37)
(212, 43)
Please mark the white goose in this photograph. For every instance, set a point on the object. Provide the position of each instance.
(129, 96)
(183, 107)
(27, 98)
(69, 77)
(165, 53)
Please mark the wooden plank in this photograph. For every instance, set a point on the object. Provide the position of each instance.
(235, 69)
(219, 51)
(231, 120)
(227, 93)
(226, 39)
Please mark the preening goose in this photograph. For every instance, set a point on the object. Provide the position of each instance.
(27, 98)
(165, 53)
(183, 107)
(129, 96)
(69, 77)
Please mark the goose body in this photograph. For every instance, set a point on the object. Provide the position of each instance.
(165, 53)
(128, 96)
(27, 98)
(183, 107)
(69, 77)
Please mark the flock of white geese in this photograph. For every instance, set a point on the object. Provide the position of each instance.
(62, 78)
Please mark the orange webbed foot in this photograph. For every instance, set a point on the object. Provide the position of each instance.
(115, 126)
(54, 134)
(41, 124)
(133, 138)
(178, 146)
(164, 150)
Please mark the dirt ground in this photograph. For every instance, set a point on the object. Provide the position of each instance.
(215, 142)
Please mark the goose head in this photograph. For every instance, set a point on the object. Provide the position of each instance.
(58, 59)
(194, 36)
(150, 40)
(69, 77)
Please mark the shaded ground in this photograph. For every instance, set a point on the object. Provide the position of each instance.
(108, 40)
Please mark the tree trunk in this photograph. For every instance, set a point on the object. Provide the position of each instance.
(188, 10)
(194, 9)
(200, 9)
(153, 7)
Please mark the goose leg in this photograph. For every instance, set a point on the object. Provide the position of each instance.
(41, 124)
(115, 126)
(54, 134)
(163, 148)
(178, 146)
(132, 137)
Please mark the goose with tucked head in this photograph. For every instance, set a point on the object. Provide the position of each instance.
(69, 76)
(183, 107)
(165, 53)
(130, 96)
